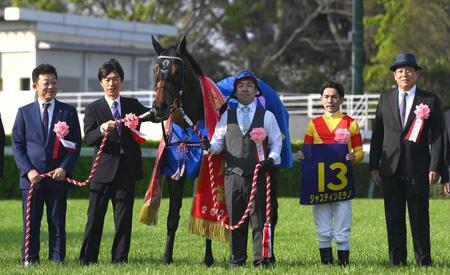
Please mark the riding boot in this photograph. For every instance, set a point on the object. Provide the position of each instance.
(167, 258)
(209, 258)
(343, 256)
(326, 255)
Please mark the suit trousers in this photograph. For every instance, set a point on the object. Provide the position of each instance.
(400, 191)
(55, 201)
(340, 213)
(121, 193)
(237, 194)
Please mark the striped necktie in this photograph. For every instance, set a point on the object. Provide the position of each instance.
(116, 114)
(45, 118)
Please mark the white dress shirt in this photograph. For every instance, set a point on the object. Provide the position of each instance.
(110, 103)
(409, 100)
(270, 126)
(49, 111)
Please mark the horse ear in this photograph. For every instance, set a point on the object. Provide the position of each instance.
(182, 45)
(156, 46)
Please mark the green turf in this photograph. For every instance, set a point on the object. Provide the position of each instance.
(296, 246)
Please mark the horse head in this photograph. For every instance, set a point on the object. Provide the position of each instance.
(175, 74)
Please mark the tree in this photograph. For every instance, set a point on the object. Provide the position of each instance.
(419, 27)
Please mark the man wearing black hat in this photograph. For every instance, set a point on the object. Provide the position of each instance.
(232, 134)
(408, 123)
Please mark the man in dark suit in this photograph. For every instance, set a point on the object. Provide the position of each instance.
(446, 169)
(2, 147)
(120, 166)
(402, 159)
(33, 143)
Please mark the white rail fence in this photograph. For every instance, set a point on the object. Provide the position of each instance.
(361, 107)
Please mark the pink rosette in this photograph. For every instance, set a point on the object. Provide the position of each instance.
(258, 134)
(131, 121)
(422, 111)
(61, 129)
(341, 135)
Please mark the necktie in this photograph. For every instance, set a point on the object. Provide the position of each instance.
(45, 118)
(403, 107)
(116, 114)
(245, 119)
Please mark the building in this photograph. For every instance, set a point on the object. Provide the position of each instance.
(77, 45)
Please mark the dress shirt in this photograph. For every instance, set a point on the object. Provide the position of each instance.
(270, 126)
(409, 100)
(49, 110)
(110, 103)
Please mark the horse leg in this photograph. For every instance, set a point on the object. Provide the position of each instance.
(173, 218)
(209, 258)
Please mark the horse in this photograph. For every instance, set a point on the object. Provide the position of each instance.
(177, 84)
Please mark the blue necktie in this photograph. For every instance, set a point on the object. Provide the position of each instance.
(245, 119)
(45, 118)
(116, 114)
(403, 107)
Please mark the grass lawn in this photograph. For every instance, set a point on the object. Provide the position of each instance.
(295, 246)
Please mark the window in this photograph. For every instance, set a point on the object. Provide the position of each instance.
(24, 84)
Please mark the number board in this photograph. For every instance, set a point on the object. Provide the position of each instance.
(325, 174)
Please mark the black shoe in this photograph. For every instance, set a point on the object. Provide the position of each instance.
(87, 262)
(326, 255)
(343, 256)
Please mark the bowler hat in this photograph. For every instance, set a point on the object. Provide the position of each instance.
(405, 60)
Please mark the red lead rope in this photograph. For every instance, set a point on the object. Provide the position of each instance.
(69, 180)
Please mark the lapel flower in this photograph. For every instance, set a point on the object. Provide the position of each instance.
(422, 111)
(341, 135)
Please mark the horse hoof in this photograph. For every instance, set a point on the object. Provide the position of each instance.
(167, 260)
(209, 261)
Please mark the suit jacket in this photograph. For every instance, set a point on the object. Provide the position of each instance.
(389, 147)
(32, 151)
(96, 114)
(446, 154)
(2, 147)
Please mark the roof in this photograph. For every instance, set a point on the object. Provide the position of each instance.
(88, 26)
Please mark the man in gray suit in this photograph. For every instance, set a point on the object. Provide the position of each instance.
(401, 159)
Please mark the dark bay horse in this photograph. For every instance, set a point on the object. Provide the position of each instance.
(177, 85)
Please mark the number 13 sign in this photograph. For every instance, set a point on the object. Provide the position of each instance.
(326, 176)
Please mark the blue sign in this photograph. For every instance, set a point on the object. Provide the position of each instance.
(326, 175)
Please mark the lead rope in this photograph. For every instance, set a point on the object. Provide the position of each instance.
(69, 180)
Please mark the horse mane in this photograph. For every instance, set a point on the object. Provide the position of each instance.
(197, 69)
(194, 64)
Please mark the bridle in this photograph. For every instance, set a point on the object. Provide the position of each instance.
(164, 74)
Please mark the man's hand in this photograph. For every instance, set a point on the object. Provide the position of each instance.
(204, 143)
(375, 174)
(34, 176)
(59, 174)
(266, 164)
(433, 177)
(300, 155)
(350, 156)
(109, 125)
(447, 188)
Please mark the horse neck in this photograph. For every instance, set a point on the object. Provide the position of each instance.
(192, 101)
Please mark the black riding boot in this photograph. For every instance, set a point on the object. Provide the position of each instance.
(326, 255)
(343, 256)
(167, 258)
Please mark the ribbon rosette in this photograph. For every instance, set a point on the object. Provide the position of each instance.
(61, 130)
(415, 131)
(132, 122)
(341, 135)
(258, 135)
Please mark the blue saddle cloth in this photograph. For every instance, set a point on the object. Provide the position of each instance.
(184, 148)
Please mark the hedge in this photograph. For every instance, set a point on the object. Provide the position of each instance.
(288, 185)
